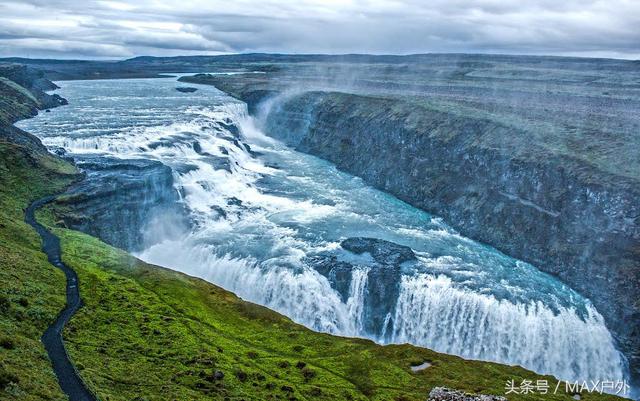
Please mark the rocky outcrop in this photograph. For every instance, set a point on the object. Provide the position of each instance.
(35, 82)
(186, 89)
(21, 96)
(126, 203)
(385, 253)
(384, 261)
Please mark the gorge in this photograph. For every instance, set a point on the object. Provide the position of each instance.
(291, 232)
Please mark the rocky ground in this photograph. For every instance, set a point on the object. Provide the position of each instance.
(445, 394)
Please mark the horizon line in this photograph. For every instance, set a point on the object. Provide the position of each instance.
(324, 55)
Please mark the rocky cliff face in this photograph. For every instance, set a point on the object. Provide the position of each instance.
(539, 210)
(564, 200)
(34, 81)
(123, 201)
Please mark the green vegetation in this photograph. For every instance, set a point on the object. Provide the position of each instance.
(148, 333)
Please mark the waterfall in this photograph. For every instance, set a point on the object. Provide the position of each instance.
(355, 303)
(385, 328)
(294, 294)
(433, 313)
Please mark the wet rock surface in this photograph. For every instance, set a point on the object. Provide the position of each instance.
(382, 261)
(126, 203)
(186, 89)
(385, 253)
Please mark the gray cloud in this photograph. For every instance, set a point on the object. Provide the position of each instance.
(117, 29)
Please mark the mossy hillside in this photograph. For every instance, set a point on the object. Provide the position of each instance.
(32, 291)
(15, 102)
(150, 333)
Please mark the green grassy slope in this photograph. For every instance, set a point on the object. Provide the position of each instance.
(15, 101)
(155, 334)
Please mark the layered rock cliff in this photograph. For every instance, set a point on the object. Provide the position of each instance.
(552, 182)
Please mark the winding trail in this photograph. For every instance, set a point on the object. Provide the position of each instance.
(68, 376)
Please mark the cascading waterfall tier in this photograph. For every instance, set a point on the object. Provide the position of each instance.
(432, 312)
(259, 212)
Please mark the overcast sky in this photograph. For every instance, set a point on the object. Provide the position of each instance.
(122, 29)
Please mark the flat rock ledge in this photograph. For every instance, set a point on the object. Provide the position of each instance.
(446, 394)
(186, 89)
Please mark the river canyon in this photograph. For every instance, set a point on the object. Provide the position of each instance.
(207, 193)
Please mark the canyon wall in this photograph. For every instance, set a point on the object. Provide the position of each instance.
(127, 203)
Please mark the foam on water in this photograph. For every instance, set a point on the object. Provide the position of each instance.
(257, 212)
